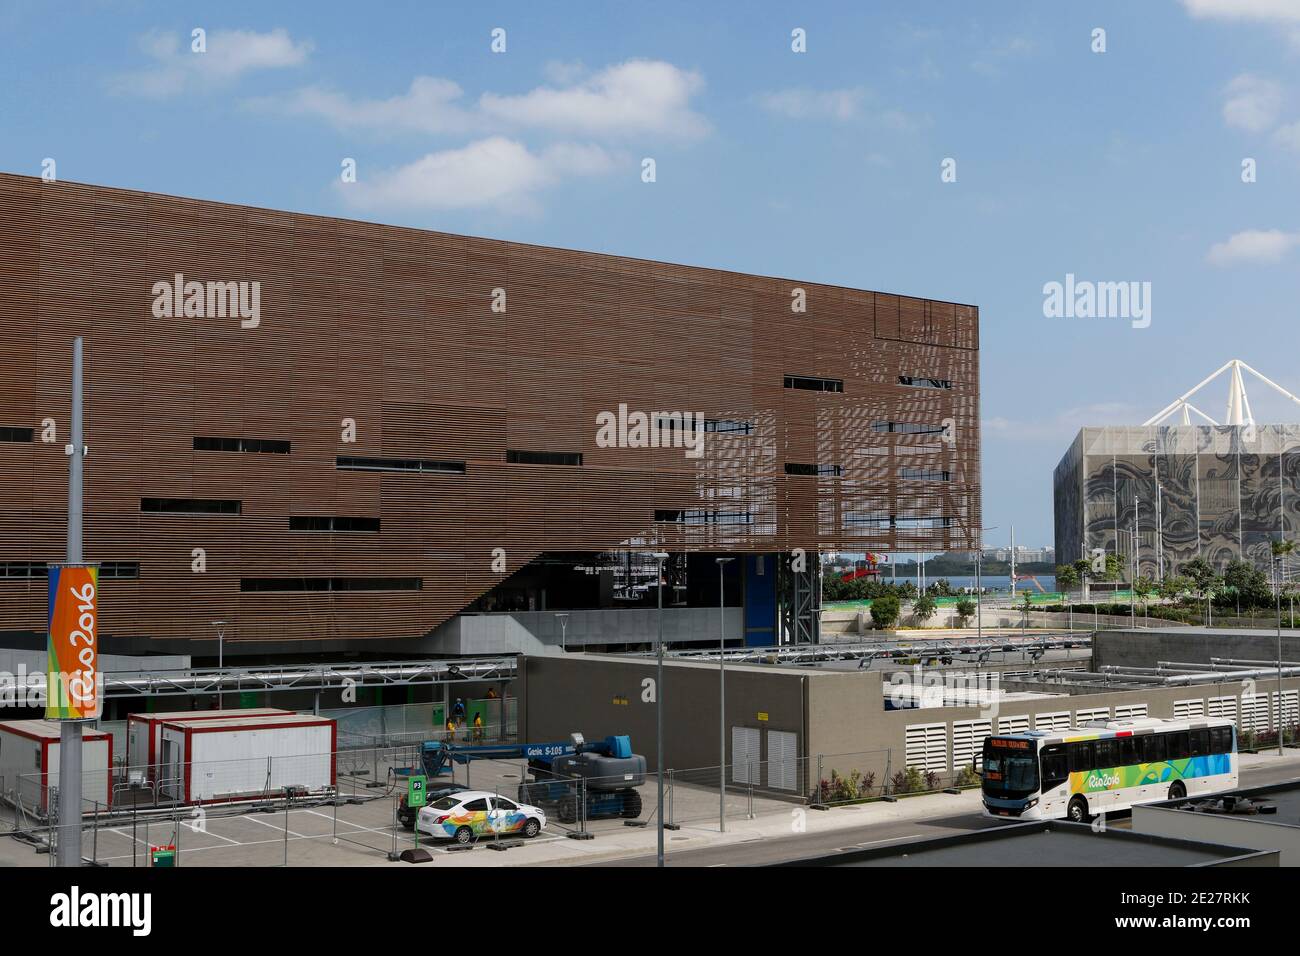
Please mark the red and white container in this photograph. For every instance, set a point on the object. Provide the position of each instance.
(29, 762)
(144, 733)
(243, 758)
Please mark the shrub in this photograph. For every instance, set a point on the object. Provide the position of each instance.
(884, 610)
(968, 777)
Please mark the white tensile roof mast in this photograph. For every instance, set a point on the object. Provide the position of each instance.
(1238, 410)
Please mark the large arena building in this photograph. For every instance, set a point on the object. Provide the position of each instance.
(326, 434)
(1222, 491)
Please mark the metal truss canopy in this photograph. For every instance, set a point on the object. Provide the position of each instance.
(312, 677)
(1238, 408)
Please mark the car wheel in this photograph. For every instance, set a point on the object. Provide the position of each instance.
(464, 835)
(1177, 790)
(1077, 811)
(531, 829)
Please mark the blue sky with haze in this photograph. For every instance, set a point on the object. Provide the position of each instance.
(822, 166)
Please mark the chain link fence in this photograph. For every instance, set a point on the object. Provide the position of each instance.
(349, 806)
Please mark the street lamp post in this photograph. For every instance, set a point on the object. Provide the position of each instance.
(979, 589)
(221, 662)
(722, 695)
(1280, 547)
(564, 631)
(660, 557)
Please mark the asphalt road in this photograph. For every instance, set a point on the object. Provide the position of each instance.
(763, 851)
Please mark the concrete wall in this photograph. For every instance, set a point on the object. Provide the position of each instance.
(1256, 833)
(540, 632)
(598, 696)
(838, 716)
(1192, 645)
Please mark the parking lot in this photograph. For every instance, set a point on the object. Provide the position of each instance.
(357, 828)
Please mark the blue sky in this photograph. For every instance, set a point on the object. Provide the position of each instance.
(824, 166)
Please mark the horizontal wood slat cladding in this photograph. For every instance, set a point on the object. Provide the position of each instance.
(393, 329)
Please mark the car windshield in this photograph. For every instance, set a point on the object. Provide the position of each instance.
(446, 803)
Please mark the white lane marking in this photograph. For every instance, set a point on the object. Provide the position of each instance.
(266, 823)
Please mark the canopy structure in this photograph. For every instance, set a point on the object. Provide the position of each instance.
(1238, 408)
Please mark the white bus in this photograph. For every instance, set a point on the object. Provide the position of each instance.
(1106, 765)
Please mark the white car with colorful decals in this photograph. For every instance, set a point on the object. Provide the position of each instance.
(479, 814)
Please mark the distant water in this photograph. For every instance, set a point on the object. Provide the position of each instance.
(991, 582)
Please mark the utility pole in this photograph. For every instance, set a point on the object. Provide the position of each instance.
(722, 694)
(70, 736)
(1160, 531)
(1132, 591)
(1013, 562)
(660, 557)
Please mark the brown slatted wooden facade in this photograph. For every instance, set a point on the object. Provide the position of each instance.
(393, 329)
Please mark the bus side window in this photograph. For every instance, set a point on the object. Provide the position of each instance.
(1106, 754)
(1128, 751)
(1153, 748)
(1200, 742)
(1055, 767)
(1179, 745)
(1080, 757)
(1221, 740)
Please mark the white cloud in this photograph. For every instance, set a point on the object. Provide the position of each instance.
(1288, 136)
(496, 172)
(639, 96)
(428, 106)
(230, 54)
(1063, 425)
(853, 104)
(991, 60)
(1287, 10)
(1263, 246)
(843, 104)
(1251, 102)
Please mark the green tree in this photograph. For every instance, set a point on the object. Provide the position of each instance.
(1114, 568)
(1201, 573)
(1174, 586)
(885, 610)
(924, 608)
(965, 610)
(1067, 577)
(1250, 583)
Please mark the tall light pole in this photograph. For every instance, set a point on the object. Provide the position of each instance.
(221, 662)
(1132, 591)
(979, 590)
(563, 618)
(1280, 547)
(1160, 531)
(722, 694)
(70, 735)
(660, 557)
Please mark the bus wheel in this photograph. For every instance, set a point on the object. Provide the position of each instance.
(1077, 811)
(1177, 790)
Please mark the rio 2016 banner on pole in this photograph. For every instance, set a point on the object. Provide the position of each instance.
(72, 664)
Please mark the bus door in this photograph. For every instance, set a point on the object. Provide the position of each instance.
(1106, 760)
(1055, 780)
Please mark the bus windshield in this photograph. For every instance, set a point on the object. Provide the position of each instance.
(1009, 773)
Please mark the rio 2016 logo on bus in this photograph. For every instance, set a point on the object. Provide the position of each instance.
(1103, 780)
(1145, 774)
